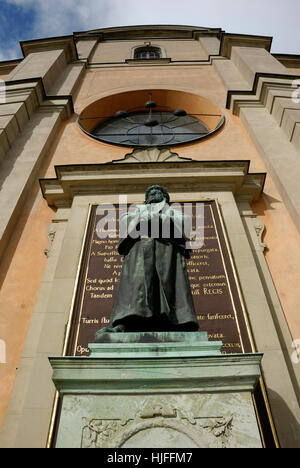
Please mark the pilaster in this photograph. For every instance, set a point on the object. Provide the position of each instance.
(252, 60)
(20, 165)
(32, 397)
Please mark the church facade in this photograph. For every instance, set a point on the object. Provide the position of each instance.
(93, 119)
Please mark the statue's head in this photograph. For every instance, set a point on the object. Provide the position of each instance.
(156, 194)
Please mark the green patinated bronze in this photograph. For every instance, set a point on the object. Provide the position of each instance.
(154, 292)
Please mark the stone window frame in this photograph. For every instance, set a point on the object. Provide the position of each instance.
(148, 49)
(162, 59)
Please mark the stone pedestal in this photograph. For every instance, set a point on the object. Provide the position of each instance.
(169, 390)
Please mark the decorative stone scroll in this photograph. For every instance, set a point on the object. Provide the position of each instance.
(259, 229)
(51, 232)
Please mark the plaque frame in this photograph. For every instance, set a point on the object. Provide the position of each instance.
(236, 280)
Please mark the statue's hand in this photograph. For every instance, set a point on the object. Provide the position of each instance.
(163, 217)
(145, 216)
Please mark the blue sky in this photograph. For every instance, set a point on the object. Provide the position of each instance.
(14, 22)
(32, 19)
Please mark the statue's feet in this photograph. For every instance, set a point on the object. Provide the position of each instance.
(117, 329)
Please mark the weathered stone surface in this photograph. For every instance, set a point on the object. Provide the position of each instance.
(159, 421)
(157, 401)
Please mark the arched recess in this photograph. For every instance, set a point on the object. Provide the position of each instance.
(200, 108)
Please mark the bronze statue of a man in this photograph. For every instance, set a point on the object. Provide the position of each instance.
(154, 292)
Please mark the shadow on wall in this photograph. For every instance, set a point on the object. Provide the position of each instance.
(266, 203)
(32, 188)
(289, 434)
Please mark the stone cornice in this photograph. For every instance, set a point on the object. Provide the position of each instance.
(231, 372)
(148, 31)
(288, 60)
(241, 40)
(33, 89)
(259, 95)
(67, 43)
(7, 66)
(29, 96)
(114, 178)
(160, 61)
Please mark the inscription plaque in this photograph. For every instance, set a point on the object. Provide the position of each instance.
(212, 276)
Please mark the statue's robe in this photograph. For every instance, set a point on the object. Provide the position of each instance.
(154, 291)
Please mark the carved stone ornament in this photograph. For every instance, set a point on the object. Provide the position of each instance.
(259, 229)
(151, 155)
(51, 231)
(220, 428)
(154, 424)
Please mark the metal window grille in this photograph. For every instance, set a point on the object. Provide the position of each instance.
(147, 53)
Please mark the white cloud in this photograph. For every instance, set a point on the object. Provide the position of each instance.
(10, 53)
(62, 17)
